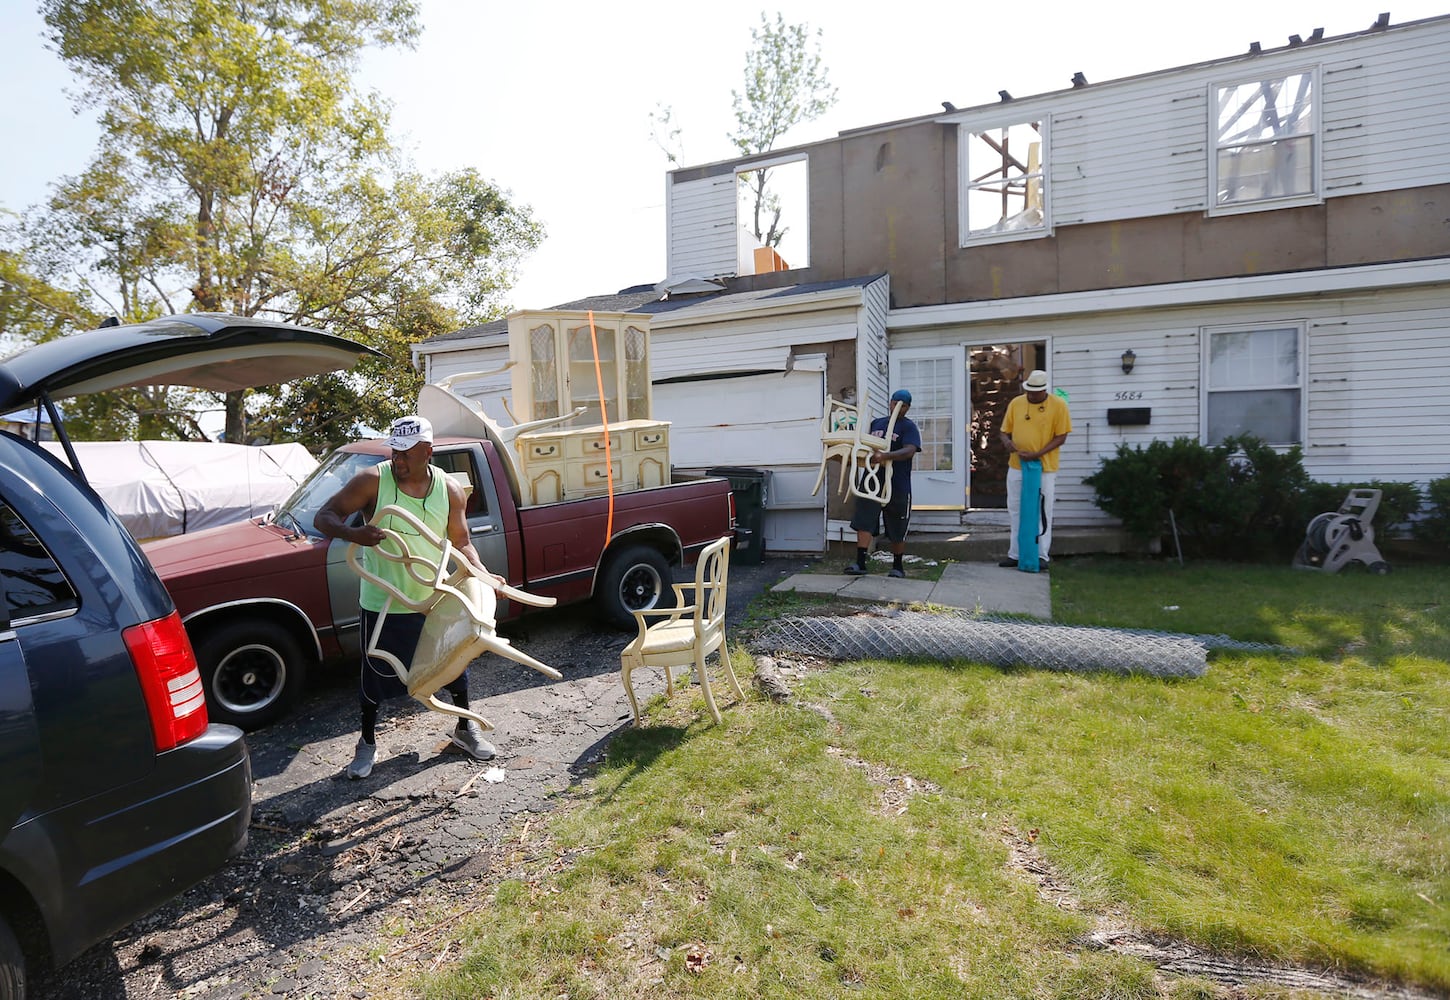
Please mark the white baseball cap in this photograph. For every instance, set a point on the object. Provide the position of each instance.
(408, 431)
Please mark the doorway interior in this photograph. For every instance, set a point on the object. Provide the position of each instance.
(994, 373)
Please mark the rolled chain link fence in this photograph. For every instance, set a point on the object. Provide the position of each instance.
(1002, 642)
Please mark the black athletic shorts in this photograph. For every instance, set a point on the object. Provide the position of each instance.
(869, 516)
(380, 681)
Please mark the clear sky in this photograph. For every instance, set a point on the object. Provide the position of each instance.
(552, 100)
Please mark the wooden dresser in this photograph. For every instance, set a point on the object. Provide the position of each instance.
(559, 465)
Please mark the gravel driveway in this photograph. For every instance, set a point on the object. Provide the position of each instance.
(330, 860)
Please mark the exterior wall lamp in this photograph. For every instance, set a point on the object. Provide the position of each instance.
(1129, 359)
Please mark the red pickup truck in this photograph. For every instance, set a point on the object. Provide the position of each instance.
(266, 599)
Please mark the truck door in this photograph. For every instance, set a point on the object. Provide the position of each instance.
(485, 526)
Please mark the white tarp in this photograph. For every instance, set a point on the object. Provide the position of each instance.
(161, 488)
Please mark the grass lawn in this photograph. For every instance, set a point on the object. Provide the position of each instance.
(955, 830)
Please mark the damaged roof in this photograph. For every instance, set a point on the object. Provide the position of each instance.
(650, 299)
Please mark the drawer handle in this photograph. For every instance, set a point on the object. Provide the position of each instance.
(542, 451)
(651, 438)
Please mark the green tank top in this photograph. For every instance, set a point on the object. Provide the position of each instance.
(432, 510)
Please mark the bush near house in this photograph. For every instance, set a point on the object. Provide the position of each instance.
(1434, 527)
(1399, 502)
(1239, 500)
(1243, 500)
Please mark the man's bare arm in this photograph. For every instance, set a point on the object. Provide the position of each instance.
(360, 493)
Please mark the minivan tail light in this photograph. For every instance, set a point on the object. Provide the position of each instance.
(170, 680)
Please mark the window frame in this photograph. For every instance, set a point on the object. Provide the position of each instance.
(804, 208)
(1315, 195)
(966, 131)
(1207, 390)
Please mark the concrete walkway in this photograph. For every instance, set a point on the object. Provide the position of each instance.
(975, 586)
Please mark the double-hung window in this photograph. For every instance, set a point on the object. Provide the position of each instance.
(1254, 383)
(1265, 143)
(1003, 172)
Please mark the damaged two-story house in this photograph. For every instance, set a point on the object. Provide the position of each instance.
(1256, 244)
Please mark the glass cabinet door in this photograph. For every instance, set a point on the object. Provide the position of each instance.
(543, 373)
(636, 373)
(585, 381)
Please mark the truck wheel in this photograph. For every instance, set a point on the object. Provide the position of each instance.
(636, 578)
(252, 672)
(12, 964)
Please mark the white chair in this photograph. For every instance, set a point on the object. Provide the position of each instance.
(460, 611)
(505, 434)
(687, 634)
(451, 413)
(845, 436)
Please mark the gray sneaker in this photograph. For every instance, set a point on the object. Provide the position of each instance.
(362, 760)
(898, 573)
(468, 737)
(854, 569)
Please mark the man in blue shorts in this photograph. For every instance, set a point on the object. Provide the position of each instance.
(869, 515)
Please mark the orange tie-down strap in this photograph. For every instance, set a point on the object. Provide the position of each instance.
(604, 422)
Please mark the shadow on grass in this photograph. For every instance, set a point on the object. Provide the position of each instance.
(635, 750)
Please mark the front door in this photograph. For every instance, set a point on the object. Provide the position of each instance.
(936, 378)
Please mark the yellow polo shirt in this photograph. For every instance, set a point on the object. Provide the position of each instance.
(1032, 425)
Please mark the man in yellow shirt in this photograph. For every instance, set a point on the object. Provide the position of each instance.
(1035, 426)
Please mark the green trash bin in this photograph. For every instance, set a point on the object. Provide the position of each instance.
(748, 485)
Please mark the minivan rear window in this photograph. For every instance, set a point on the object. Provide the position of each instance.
(32, 584)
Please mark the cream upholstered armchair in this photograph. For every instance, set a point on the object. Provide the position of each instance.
(688, 634)
(845, 436)
(460, 610)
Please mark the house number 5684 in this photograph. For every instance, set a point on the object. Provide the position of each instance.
(1128, 394)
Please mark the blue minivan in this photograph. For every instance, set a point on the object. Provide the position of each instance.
(116, 792)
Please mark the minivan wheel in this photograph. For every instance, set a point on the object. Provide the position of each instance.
(636, 578)
(252, 670)
(12, 964)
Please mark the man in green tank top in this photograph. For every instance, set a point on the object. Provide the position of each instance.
(407, 480)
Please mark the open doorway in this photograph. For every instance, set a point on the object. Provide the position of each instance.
(995, 374)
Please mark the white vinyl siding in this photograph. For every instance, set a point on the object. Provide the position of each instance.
(700, 222)
(1140, 147)
(871, 342)
(1387, 101)
(1378, 408)
(759, 343)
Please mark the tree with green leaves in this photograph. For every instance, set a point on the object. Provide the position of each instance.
(785, 86)
(241, 170)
